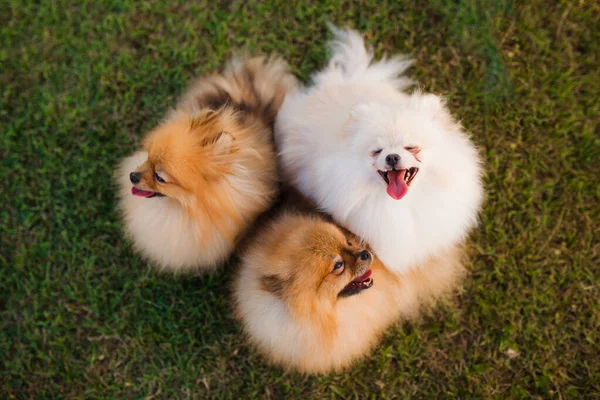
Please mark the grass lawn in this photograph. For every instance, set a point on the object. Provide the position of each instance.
(83, 317)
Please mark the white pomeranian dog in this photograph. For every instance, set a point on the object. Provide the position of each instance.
(394, 168)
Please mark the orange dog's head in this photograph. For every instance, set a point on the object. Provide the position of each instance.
(312, 262)
(186, 157)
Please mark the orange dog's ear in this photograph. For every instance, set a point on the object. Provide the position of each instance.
(221, 142)
(272, 284)
(203, 118)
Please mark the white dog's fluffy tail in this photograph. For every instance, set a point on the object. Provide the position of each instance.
(352, 61)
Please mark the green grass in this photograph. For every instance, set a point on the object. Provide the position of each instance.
(83, 317)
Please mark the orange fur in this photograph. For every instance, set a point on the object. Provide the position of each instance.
(215, 156)
(286, 294)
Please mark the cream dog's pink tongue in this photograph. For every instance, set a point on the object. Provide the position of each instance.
(397, 187)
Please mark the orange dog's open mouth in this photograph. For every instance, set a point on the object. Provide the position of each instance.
(145, 193)
(359, 284)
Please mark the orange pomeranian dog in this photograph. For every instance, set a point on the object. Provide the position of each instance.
(208, 170)
(311, 298)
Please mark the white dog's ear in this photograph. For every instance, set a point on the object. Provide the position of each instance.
(435, 105)
(362, 111)
(432, 103)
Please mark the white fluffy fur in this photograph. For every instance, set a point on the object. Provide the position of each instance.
(326, 133)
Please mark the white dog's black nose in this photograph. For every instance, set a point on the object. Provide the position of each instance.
(134, 177)
(392, 159)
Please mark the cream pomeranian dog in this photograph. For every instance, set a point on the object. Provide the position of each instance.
(312, 298)
(394, 168)
(208, 170)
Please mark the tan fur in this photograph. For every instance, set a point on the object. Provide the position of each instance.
(215, 152)
(295, 317)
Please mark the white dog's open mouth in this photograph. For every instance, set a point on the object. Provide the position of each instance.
(398, 181)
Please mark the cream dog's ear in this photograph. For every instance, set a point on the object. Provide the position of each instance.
(273, 284)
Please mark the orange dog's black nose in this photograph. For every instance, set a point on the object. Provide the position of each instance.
(365, 255)
(134, 177)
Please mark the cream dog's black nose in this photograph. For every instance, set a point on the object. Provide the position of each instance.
(134, 177)
(365, 255)
(392, 159)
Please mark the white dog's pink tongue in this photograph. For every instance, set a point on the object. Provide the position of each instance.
(397, 187)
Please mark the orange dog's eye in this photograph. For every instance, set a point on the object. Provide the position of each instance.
(158, 179)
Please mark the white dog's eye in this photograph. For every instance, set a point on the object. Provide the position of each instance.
(413, 149)
(376, 152)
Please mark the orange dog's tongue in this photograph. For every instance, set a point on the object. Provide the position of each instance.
(397, 188)
(142, 193)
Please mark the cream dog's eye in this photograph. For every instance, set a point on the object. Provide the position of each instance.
(157, 178)
(338, 268)
(376, 152)
(413, 149)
